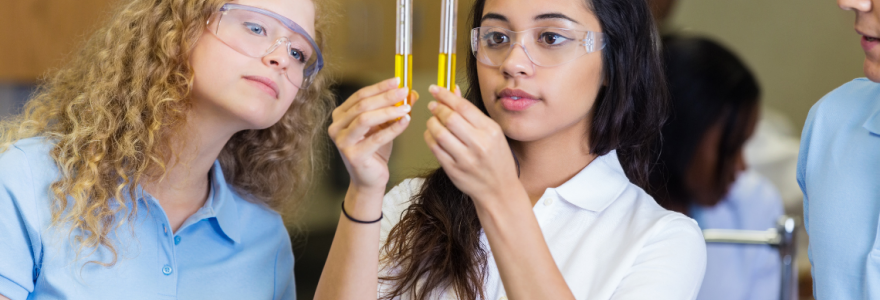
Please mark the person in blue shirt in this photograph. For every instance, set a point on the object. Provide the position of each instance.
(155, 163)
(838, 171)
(702, 172)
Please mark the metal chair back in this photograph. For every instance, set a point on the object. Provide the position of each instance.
(782, 238)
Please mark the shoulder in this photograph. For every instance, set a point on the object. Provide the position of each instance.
(26, 174)
(396, 201)
(852, 99)
(655, 223)
(400, 197)
(30, 153)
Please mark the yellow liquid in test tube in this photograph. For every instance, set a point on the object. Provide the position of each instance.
(403, 70)
(446, 62)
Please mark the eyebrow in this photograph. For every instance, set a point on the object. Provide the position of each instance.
(547, 16)
(494, 16)
(554, 16)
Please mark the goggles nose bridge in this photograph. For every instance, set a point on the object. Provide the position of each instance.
(280, 41)
(525, 50)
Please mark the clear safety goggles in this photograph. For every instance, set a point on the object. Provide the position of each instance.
(544, 46)
(257, 32)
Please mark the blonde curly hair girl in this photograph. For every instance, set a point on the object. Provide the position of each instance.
(117, 117)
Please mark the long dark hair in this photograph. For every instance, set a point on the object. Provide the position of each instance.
(437, 242)
(708, 85)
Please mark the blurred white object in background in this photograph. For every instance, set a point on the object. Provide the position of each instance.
(772, 152)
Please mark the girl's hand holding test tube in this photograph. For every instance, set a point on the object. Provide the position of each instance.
(471, 148)
(363, 128)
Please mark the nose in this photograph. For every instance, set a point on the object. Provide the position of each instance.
(278, 58)
(518, 62)
(856, 5)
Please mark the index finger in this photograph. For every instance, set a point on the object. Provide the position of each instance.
(370, 91)
(462, 106)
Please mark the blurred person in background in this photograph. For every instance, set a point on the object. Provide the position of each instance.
(156, 163)
(702, 171)
(839, 173)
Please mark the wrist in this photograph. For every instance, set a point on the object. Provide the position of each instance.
(363, 203)
(365, 190)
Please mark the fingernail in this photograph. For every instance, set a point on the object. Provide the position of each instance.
(433, 88)
(401, 92)
(404, 108)
(396, 81)
(405, 118)
(432, 105)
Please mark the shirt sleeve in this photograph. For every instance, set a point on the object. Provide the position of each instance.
(393, 205)
(803, 154)
(670, 266)
(395, 202)
(16, 235)
(285, 283)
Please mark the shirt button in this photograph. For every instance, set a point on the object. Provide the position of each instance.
(167, 270)
(177, 240)
(548, 201)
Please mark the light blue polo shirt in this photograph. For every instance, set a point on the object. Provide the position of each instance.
(228, 249)
(839, 173)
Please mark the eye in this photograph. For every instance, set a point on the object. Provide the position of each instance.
(255, 28)
(552, 38)
(495, 38)
(298, 55)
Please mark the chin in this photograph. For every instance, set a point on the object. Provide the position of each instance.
(872, 70)
(522, 133)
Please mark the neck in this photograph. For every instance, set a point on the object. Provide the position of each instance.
(551, 161)
(184, 187)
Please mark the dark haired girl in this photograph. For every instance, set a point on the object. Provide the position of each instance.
(540, 194)
(702, 171)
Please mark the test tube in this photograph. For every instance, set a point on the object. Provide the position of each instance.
(403, 54)
(446, 65)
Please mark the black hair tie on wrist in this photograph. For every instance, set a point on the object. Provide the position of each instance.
(356, 220)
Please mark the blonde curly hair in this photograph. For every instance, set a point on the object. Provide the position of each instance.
(115, 109)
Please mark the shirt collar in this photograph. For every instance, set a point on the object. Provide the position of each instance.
(220, 205)
(873, 122)
(222, 202)
(597, 185)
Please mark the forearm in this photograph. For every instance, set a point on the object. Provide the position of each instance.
(524, 262)
(351, 270)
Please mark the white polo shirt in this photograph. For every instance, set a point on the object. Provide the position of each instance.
(609, 238)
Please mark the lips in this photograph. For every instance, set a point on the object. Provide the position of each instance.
(265, 84)
(516, 100)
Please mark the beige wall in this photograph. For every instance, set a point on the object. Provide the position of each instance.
(800, 49)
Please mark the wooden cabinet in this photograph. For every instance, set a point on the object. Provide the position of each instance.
(37, 35)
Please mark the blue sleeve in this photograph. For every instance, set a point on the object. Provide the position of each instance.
(806, 138)
(285, 284)
(19, 240)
